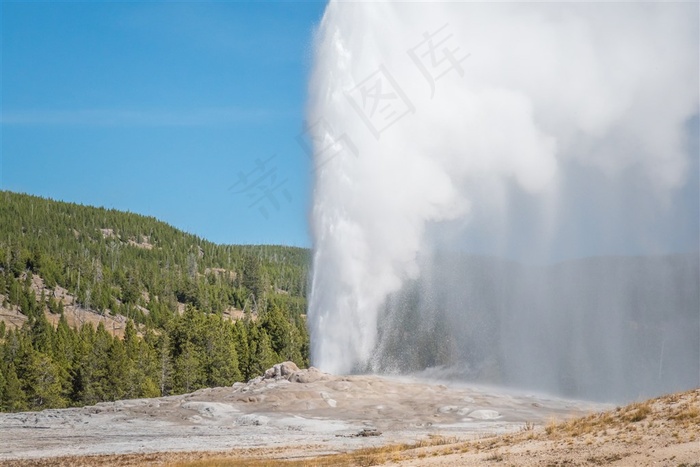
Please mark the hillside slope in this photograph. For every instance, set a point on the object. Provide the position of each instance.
(98, 305)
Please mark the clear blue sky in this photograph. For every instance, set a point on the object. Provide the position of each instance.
(158, 108)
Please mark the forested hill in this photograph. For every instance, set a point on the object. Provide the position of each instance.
(98, 304)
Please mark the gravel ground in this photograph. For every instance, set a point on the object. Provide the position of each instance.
(301, 411)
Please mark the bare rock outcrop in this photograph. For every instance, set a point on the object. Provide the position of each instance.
(310, 375)
(281, 371)
(290, 371)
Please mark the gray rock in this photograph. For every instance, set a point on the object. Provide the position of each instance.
(310, 375)
(281, 371)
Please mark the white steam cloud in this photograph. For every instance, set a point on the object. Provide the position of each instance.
(428, 115)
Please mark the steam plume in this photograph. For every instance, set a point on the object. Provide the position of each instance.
(529, 130)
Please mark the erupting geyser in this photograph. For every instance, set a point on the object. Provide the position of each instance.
(531, 131)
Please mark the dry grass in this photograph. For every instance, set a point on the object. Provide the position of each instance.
(495, 457)
(361, 457)
(678, 410)
(529, 426)
(637, 412)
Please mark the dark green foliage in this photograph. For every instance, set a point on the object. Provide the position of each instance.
(12, 397)
(118, 263)
(42, 366)
(285, 339)
(261, 352)
(43, 381)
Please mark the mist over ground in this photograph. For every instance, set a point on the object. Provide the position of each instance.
(539, 133)
(608, 328)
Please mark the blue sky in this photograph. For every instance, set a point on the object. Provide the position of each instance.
(188, 112)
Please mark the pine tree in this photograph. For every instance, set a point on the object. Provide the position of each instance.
(3, 381)
(188, 374)
(43, 380)
(42, 333)
(164, 364)
(277, 327)
(221, 358)
(141, 364)
(241, 340)
(255, 279)
(90, 384)
(263, 355)
(63, 353)
(146, 369)
(120, 383)
(13, 398)
(131, 341)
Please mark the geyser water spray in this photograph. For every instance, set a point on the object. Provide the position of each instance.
(533, 131)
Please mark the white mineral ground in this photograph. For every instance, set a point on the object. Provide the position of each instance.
(305, 411)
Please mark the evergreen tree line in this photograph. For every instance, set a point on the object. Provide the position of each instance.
(42, 366)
